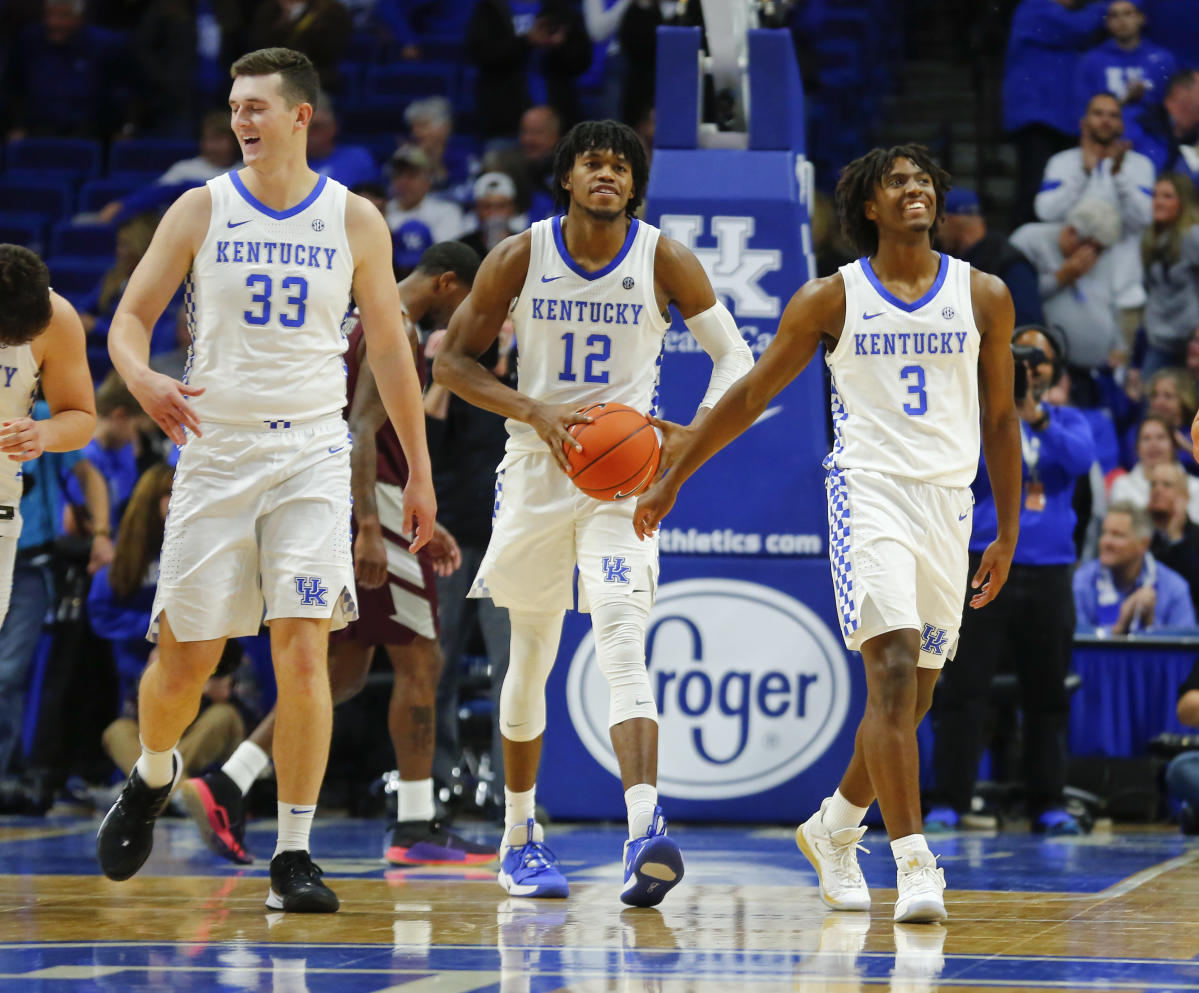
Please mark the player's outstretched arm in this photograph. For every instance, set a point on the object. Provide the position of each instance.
(390, 355)
(995, 317)
(67, 384)
(475, 325)
(155, 280)
(816, 311)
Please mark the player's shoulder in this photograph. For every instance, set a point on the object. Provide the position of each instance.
(63, 336)
(512, 257)
(986, 285)
(822, 292)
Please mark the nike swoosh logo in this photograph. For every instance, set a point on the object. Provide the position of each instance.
(238, 224)
(549, 279)
(511, 725)
(962, 517)
(306, 810)
(334, 451)
(641, 703)
(871, 317)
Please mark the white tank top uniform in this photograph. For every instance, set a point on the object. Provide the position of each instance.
(18, 382)
(260, 508)
(582, 337)
(905, 410)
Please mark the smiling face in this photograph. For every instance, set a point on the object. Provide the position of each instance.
(1154, 444)
(904, 200)
(265, 126)
(600, 183)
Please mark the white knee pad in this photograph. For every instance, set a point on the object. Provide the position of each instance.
(619, 625)
(522, 697)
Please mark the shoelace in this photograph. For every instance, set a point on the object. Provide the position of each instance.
(925, 877)
(536, 855)
(294, 867)
(845, 861)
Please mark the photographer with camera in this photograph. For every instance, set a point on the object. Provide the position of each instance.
(1030, 625)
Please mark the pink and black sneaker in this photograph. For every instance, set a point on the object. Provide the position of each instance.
(219, 810)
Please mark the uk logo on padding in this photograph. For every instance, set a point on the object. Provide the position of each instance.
(312, 593)
(932, 640)
(615, 570)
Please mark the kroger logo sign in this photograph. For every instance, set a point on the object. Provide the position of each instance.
(751, 686)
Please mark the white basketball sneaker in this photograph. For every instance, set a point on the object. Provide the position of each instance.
(834, 856)
(921, 892)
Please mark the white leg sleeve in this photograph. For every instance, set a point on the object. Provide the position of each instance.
(533, 649)
(619, 624)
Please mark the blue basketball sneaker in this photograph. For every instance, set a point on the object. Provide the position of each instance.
(531, 869)
(653, 865)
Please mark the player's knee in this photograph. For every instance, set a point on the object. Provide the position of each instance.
(891, 683)
(619, 626)
(522, 697)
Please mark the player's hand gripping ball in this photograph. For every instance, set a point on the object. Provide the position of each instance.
(620, 452)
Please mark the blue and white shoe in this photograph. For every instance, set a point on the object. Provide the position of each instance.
(531, 869)
(653, 865)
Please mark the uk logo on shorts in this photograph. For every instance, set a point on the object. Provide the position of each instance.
(933, 640)
(615, 569)
(312, 593)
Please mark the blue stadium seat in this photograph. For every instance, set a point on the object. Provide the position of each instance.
(83, 240)
(73, 157)
(75, 277)
(447, 48)
(379, 143)
(17, 228)
(49, 196)
(95, 193)
(149, 155)
(406, 81)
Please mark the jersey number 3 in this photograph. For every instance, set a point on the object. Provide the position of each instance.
(295, 300)
(919, 403)
(601, 351)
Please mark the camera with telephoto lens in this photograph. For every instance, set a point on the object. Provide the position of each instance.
(1026, 356)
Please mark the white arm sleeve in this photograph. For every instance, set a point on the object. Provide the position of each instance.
(718, 335)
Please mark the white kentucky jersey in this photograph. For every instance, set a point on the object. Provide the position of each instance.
(584, 337)
(265, 302)
(905, 379)
(18, 383)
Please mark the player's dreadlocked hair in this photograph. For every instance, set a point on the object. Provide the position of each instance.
(25, 308)
(859, 179)
(595, 136)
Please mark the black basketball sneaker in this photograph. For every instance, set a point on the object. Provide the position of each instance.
(126, 834)
(296, 886)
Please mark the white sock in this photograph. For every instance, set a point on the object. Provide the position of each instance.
(414, 800)
(911, 852)
(839, 813)
(518, 808)
(156, 769)
(245, 765)
(640, 801)
(295, 821)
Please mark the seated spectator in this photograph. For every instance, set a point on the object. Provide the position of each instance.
(1154, 446)
(113, 448)
(417, 217)
(1175, 536)
(494, 212)
(1170, 394)
(1126, 590)
(319, 28)
(1170, 260)
(1079, 284)
(350, 165)
(219, 153)
(540, 129)
(1127, 65)
(1182, 774)
(1104, 167)
(1167, 132)
(430, 126)
(96, 311)
(963, 233)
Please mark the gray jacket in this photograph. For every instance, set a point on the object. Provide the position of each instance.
(1172, 307)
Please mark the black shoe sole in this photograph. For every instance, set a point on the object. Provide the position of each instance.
(312, 902)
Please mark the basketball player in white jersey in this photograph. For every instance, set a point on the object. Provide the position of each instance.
(260, 509)
(588, 294)
(910, 336)
(40, 338)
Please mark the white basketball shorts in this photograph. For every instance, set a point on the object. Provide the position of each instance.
(899, 550)
(257, 515)
(544, 526)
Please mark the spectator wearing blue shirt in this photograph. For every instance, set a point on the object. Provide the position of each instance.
(1030, 625)
(1046, 40)
(1167, 132)
(113, 448)
(350, 165)
(1126, 590)
(1182, 774)
(1134, 70)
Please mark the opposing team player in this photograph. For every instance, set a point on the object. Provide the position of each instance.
(40, 338)
(910, 336)
(261, 504)
(591, 291)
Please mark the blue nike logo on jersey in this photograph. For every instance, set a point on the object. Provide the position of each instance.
(549, 279)
(238, 224)
(962, 516)
(334, 451)
(871, 317)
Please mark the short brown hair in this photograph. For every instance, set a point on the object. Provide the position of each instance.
(299, 82)
(113, 395)
(25, 308)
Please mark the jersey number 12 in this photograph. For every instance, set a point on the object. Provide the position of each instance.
(601, 351)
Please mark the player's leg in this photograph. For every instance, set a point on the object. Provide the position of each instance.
(212, 736)
(168, 701)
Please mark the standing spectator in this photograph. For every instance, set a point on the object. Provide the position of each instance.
(494, 212)
(1170, 394)
(1126, 65)
(350, 165)
(1044, 45)
(527, 52)
(318, 28)
(1175, 536)
(1126, 590)
(1030, 626)
(1104, 167)
(1182, 774)
(1167, 132)
(417, 217)
(540, 129)
(963, 233)
(1170, 259)
(1079, 282)
(1154, 446)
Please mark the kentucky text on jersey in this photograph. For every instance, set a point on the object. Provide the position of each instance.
(8, 371)
(910, 343)
(549, 309)
(289, 253)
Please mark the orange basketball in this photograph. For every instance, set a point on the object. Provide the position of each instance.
(620, 452)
